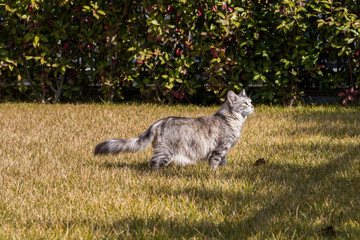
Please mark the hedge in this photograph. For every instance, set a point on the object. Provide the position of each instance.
(172, 51)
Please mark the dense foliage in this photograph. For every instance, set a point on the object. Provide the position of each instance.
(175, 50)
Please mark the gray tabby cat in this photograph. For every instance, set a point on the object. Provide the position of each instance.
(189, 140)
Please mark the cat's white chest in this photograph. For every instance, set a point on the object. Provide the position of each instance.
(182, 160)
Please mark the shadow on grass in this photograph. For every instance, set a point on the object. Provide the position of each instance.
(135, 166)
(331, 124)
(316, 197)
(316, 194)
(200, 169)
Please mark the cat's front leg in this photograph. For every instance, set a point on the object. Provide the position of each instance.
(218, 156)
(223, 161)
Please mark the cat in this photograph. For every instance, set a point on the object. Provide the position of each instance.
(189, 140)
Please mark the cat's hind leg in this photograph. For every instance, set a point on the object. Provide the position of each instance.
(161, 157)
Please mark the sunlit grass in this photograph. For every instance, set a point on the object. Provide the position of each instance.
(53, 187)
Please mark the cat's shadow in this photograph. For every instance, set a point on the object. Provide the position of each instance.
(172, 170)
(141, 167)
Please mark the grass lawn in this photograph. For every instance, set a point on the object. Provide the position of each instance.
(51, 185)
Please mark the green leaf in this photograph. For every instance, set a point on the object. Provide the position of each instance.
(101, 12)
(147, 81)
(63, 69)
(154, 22)
(28, 37)
(220, 14)
(257, 77)
(351, 40)
(169, 85)
(66, 86)
(44, 38)
(22, 88)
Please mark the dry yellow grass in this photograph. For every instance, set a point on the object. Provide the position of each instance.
(52, 186)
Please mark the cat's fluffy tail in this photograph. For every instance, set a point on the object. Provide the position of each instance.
(115, 146)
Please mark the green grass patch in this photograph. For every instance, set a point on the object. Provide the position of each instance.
(53, 187)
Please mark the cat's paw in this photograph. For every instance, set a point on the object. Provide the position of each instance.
(222, 162)
(155, 165)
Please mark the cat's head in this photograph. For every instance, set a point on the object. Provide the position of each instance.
(240, 104)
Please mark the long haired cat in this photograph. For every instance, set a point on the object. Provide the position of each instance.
(189, 140)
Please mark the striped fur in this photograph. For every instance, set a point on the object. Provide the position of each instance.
(189, 140)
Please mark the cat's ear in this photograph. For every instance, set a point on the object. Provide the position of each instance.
(232, 97)
(242, 93)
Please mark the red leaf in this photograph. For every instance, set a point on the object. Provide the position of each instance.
(243, 76)
(351, 98)
(149, 8)
(175, 94)
(199, 12)
(344, 101)
(341, 94)
(66, 45)
(356, 92)
(214, 8)
(50, 22)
